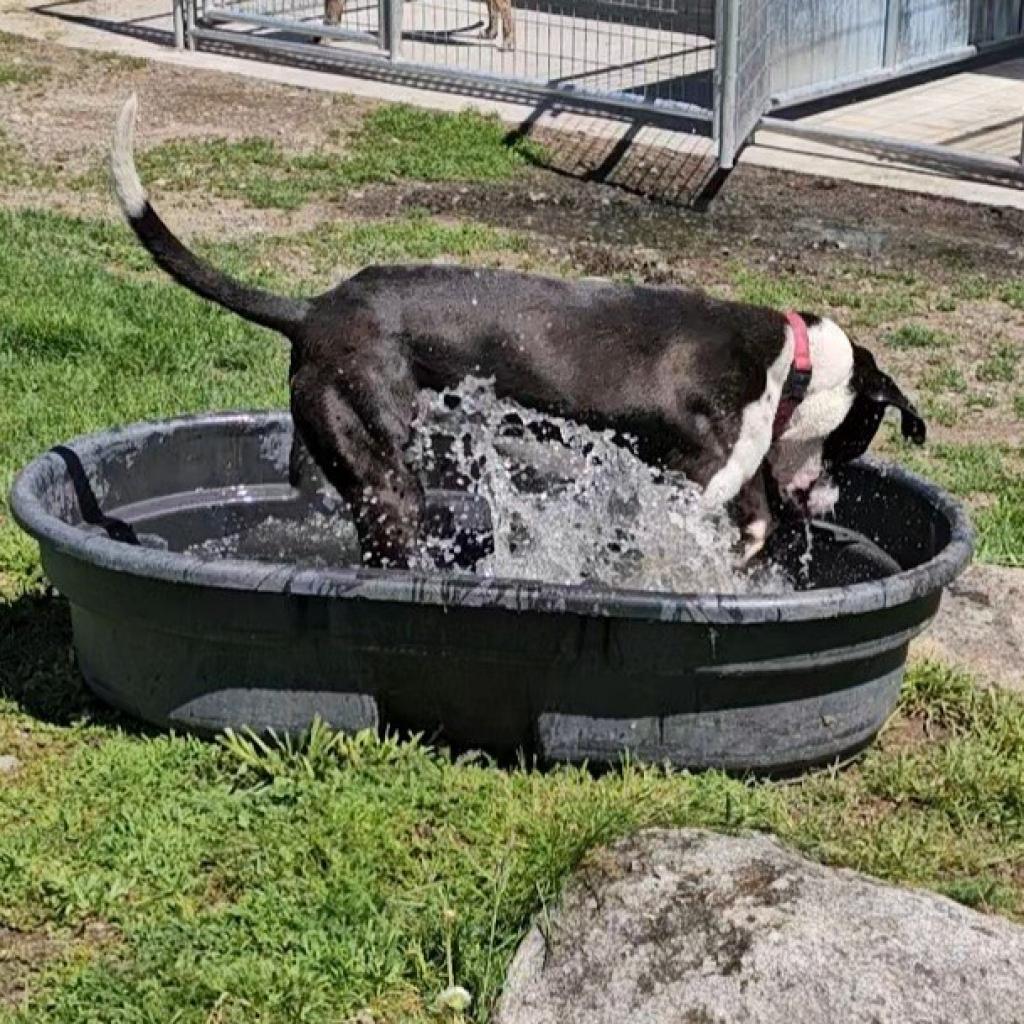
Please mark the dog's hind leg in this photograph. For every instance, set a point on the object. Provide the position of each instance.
(360, 452)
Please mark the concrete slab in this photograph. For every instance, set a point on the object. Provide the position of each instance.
(979, 111)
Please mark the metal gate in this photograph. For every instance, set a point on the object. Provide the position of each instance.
(743, 73)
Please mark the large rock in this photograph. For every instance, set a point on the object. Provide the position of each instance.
(687, 927)
(980, 626)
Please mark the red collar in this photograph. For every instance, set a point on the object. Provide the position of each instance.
(801, 343)
(799, 377)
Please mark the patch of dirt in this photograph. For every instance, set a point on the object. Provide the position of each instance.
(980, 625)
(65, 119)
(24, 954)
(909, 733)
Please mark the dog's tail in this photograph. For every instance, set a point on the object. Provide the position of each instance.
(274, 311)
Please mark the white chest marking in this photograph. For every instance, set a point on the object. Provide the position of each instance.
(755, 437)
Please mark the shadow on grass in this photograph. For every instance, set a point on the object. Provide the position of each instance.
(640, 156)
(38, 671)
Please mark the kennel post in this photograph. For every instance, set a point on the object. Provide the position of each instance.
(178, 16)
(391, 27)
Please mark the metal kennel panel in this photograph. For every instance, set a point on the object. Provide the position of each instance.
(745, 30)
(655, 51)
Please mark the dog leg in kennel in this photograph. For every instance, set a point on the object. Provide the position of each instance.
(361, 456)
(500, 9)
(508, 25)
(334, 11)
(491, 32)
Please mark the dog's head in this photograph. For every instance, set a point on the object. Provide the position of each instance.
(844, 409)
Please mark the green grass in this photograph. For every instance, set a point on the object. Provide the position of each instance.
(940, 411)
(1012, 293)
(339, 875)
(345, 244)
(1018, 406)
(943, 376)
(84, 345)
(990, 478)
(393, 143)
(917, 336)
(1001, 365)
(19, 73)
(17, 170)
(866, 300)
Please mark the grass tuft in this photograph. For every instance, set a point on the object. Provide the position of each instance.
(20, 73)
(917, 336)
(1001, 365)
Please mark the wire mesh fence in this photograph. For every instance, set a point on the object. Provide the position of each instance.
(649, 51)
(306, 21)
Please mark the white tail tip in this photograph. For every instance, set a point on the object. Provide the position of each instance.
(131, 196)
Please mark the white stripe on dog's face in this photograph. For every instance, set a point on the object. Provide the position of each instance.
(796, 457)
(755, 437)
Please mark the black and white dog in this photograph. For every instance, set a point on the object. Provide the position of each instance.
(743, 399)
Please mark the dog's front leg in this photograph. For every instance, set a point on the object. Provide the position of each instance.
(755, 516)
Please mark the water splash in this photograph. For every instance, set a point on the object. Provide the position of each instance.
(570, 505)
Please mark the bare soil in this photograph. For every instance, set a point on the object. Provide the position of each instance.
(23, 954)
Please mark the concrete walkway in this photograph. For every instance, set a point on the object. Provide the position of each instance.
(977, 110)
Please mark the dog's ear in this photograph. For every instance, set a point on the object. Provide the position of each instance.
(881, 388)
(871, 383)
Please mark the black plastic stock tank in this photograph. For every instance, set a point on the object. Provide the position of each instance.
(743, 682)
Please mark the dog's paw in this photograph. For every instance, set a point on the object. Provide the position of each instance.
(822, 498)
(755, 536)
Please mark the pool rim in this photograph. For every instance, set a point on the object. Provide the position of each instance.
(452, 590)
